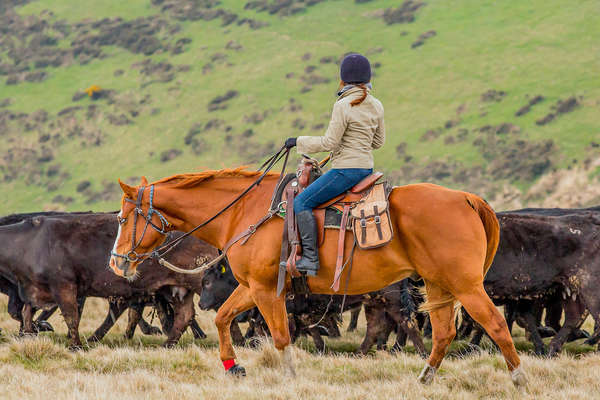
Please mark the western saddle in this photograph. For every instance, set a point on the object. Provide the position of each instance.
(308, 171)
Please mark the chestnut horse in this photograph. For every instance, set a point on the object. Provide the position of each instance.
(447, 237)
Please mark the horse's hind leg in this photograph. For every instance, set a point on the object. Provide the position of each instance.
(480, 307)
(444, 330)
(239, 301)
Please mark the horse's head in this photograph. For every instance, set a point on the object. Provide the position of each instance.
(142, 228)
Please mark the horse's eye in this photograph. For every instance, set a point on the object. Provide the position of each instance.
(121, 220)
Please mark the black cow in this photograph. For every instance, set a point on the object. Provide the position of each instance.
(312, 315)
(393, 308)
(10, 287)
(58, 259)
(541, 256)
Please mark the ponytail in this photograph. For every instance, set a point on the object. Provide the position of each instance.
(357, 102)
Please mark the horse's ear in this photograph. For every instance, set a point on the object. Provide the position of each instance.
(144, 181)
(129, 191)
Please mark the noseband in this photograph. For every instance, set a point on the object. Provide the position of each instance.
(132, 255)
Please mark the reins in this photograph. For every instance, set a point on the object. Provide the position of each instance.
(166, 248)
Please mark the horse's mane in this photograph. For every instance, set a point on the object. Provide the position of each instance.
(191, 180)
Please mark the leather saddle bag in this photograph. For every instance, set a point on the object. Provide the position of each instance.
(371, 219)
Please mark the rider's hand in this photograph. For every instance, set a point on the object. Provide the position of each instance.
(290, 142)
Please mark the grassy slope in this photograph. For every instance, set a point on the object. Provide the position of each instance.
(525, 48)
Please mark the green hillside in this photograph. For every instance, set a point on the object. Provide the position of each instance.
(499, 98)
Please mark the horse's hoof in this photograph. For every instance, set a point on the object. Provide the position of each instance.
(237, 370)
(518, 377)
(426, 376)
(75, 347)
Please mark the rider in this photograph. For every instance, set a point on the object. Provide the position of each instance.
(355, 129)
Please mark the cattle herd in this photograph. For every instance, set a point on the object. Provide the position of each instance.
(547, 267)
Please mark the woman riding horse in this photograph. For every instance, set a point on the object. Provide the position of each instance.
(355, 129)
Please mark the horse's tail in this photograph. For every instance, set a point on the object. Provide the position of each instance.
(491, 226)
(492, 233)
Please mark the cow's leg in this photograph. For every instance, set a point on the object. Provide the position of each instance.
(66, 298)
(444, 330)
(332, 327)
(146, 327)
(384, 334)
(238, 302)
(273, 310)
(317, 338)
(575, 314)
(236, 334)
(530, 324)
(409, 327)
(589, 291)
(133, 316)
(480, 307)
(196, 330)
(401, 338)
(115, 309)
(165, 313)
(184, 313)
(427, 331)
(15, 307)
(466, 325)
(510, 314)
(354, 314)
(27, 318)
(554, 310)
(479, 332)
(375, 317)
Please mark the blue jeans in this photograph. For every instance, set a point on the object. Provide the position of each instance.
(333, 183)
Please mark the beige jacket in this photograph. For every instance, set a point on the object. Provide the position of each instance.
(352, 134)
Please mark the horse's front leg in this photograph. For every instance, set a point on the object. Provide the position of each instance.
(239, 301)
(272, 308)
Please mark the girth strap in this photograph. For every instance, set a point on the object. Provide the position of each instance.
(340, 251)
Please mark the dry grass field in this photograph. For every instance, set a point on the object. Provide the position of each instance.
(42, 368)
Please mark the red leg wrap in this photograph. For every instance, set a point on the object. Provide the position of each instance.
(228, 364)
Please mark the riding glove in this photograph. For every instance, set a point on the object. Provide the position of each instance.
(290, 142)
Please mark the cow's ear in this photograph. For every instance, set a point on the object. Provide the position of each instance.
(222, 269)
(129, 191)
(144, 181)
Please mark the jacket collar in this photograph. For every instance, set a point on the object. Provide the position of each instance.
(349, 89)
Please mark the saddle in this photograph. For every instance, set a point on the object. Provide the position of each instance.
(363, 209)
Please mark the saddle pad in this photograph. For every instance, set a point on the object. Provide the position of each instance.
(333, 219)
(371, 219)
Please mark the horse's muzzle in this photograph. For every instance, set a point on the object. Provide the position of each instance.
(120, 266)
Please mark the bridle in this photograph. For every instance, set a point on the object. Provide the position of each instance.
(132, 255)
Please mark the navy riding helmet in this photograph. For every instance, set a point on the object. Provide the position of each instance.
(355, 69)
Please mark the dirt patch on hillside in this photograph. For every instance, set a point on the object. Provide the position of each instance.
(526, 108)
(221, 102)
(422, 38)
(282, 8)
(403, 14)
(561, 107)
(493, 95)
(33, 43)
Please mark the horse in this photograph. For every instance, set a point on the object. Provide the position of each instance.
(447, 237)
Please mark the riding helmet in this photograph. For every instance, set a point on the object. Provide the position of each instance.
(355, 68)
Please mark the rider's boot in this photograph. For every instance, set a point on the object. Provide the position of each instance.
(307, 226)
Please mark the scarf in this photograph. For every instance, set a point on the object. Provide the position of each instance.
(348, 87)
